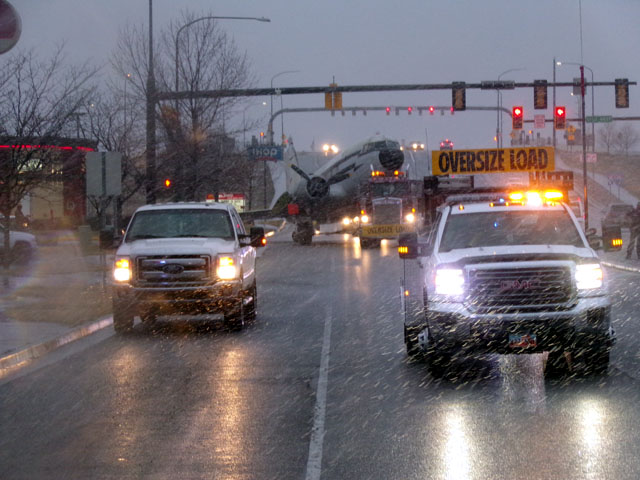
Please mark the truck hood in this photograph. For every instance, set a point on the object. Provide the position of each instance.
(512, 253)
(177, 246)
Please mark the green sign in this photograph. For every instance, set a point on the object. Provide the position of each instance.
(599, 119)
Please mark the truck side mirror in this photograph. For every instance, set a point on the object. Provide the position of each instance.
(408, 245)
(258, 239)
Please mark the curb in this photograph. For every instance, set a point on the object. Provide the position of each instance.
(36, 351)
(621, 267)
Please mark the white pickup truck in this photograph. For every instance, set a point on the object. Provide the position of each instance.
(191, 258)
(506, 273)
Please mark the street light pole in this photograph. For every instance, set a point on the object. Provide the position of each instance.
(210, 17)
(553, 130)
(151, 118)
(271, 101)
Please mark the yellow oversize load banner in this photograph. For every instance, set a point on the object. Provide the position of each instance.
(493, 160)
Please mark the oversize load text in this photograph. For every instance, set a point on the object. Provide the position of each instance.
(493, 160)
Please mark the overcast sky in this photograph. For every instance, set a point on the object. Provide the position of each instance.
(361, 42)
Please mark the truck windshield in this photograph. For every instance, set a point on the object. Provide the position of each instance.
(390, 189)
(502, 228)
(180, 223)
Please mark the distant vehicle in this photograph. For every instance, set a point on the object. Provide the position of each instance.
(389, 205)
(618, 214)
(415, 146)
(446, 144)
(186, 258)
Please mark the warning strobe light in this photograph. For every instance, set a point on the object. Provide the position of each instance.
(560, 118)
(517, 114)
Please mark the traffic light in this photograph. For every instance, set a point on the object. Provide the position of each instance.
(517, 115)
(409, 110)
(622, 93)
(167, 183)
(560, 118)
(540, 94)
(458, 96)
(432, 110)
(388, 110)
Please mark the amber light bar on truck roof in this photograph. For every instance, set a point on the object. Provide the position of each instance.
(378, 173)
(505, 199)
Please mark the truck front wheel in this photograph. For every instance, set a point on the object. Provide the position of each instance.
(235, 321)
(411, 341)
(122, 319)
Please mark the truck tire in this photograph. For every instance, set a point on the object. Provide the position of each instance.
(557, 365)
(122, 319)
(251, 310)
(411, 341)
(596, 358)
(438, 362)
(235, 321)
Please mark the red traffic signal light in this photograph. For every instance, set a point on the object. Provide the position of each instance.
(560, 118)
(388, 110)
(409, 110)
(517, 115)
(432, 110)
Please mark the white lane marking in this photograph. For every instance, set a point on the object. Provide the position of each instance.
(314, 462)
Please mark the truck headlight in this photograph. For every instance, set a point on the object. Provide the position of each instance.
(449, 281)
(410, 217)
(227, 268)
(122, 270)
(588, 276)
(364, 219)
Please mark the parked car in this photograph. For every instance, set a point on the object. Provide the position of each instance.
(618, 214)
(23, 245)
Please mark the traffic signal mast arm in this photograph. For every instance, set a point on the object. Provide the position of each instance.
(256, 92)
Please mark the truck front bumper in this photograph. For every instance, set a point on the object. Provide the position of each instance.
(451, 325)
(222, 297)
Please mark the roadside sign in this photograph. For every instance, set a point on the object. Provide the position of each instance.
(496, 160)
(538, 121)
(266, 153)
(104, 173)
(591, 157)
(599, 119)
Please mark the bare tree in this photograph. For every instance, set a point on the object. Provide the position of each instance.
(626, 138)
(608, 134)
(194, 135)
(40, 99)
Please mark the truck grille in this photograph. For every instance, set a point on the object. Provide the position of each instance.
(387, 213)
(173, 270)
(511, 290)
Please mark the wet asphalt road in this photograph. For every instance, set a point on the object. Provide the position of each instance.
(318, 387)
